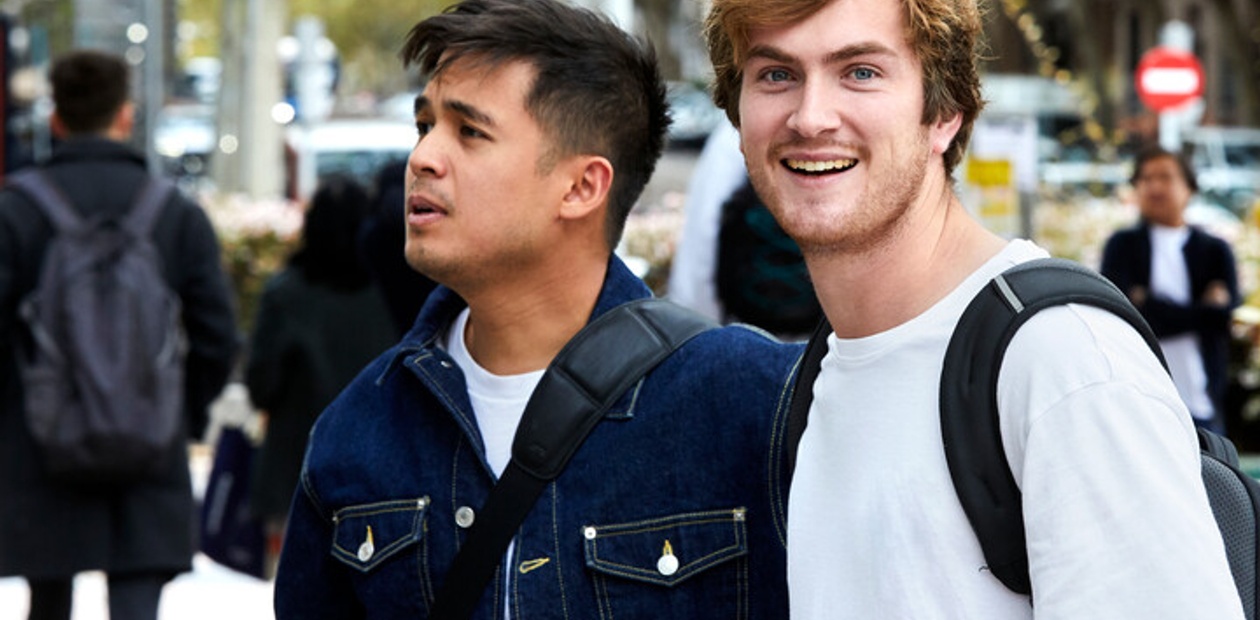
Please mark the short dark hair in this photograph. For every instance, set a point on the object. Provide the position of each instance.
(1158, 152)
(598, 90)
(328, 253)
(89, 87)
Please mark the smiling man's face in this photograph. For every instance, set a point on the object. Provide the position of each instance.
(832, 132)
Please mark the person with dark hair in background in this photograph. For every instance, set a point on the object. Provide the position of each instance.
(1182, 279)
(139, 533)
(320, 320)
(381, 242)
(539, 128)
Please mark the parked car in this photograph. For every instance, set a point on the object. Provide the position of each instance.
(358, 147)
(694, 115)
(1227, 162)
(184, 139)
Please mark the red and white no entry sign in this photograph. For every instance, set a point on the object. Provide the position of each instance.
(1168, 77)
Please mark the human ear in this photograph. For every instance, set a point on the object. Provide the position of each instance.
(588, 191)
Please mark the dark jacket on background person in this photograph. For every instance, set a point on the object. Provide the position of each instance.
(309, 341)
(53, 530)
(686, 462)
(1127, 263)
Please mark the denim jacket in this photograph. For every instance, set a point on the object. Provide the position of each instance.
(672, 508)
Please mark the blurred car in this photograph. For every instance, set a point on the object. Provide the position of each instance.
(184, 138)
(1227, 163)
(357, 147)
(694, 114)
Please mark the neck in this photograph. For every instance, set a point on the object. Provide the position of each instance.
(937, 247)
(520, 326)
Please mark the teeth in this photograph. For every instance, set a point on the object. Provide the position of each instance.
(820, 166)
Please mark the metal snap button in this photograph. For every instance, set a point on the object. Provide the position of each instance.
(464, 517)
(367, 548)
(668, 563)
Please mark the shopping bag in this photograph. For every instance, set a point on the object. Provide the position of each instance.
(230, 534)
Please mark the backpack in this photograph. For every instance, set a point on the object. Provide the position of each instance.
(970, 425)
(102, 367)
(761, 276)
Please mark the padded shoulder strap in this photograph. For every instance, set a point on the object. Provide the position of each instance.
(803, 392)
(47, 197)
(590, 373)
(150, 199)
(968, 399)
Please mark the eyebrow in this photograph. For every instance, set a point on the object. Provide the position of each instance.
(459, 107)
(867, 48)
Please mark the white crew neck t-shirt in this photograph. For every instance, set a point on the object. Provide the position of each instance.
(1098, 440)
(498, 402)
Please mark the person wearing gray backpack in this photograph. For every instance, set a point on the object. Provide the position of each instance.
(120, 323)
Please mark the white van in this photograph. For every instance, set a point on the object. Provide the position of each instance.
(1227, 163)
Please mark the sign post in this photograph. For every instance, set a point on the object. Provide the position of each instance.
(1170, 81)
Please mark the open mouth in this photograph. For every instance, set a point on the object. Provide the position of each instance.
(819, 168)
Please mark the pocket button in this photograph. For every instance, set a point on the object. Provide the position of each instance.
(464, 517)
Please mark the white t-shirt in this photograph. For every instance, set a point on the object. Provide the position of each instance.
(1170, 280)
(498, 402)
(1103, 449)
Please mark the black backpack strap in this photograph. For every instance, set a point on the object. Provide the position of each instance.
(589, 374)
(968, 399)
(803, 392)
(47, 197)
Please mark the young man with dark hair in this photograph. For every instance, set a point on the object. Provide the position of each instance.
(1182, 279)
(852, 115)
(539, 127)
(139, 532)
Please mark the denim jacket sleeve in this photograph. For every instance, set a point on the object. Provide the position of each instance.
(307, 567)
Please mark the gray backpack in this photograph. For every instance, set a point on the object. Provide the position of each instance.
(103, 366)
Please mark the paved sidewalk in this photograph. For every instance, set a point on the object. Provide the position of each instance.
(210, 592)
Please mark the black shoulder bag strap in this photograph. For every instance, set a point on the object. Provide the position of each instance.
(590, 373)
(803, 392)
(970, 427)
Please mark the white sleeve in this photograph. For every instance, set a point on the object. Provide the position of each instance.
(1105, 453)
(718, 173)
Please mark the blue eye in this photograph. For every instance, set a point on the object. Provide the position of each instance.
(863, 73)
(778, 75)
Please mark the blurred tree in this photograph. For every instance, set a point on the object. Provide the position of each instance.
(658, 21)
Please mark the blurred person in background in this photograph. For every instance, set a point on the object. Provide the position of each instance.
(1182, 279)
(381, 242)
(140, 534)
(320, 320)
(539, 128)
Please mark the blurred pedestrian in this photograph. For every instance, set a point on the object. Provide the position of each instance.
(1183, 280)
(853, 115)
(320, 320)
(139, 533)
(539, 128)
(381, 244)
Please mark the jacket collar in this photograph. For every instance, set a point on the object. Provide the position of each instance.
(94, 148)
(443, 304)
